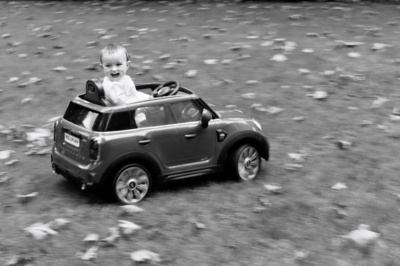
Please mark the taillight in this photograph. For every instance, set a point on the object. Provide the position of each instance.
(55, 131)
(94, 149)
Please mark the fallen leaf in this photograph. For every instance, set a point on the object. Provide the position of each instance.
(379, 102)
(300, 157)
(26, 100)
(37, 134)
(308, 51)
(27, 197)
(328, 73)
(58, 223)
(362, 237)
(354, 55)
(252, 82)
(344, 144)
(273, 189)
(145, 255)
(339, 186)
(303, 71)
(348, 44)
(264, 201)
(6, 154)
(127, 227)
(131, 209)
(318, 95)
(293, 166)
(91, 238)
(299, 118)
(39, 231)
(12, 162)
(249, 95)
(191, 73)
(59, 69)
(273, 110)
(379, 46)
(211, 61)
(301, 255)
(279, 58)
(90, 254)
(394, 118)
(13, 79)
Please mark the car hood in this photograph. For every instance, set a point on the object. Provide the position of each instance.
(231, 113)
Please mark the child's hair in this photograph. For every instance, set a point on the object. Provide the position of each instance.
(113, 48)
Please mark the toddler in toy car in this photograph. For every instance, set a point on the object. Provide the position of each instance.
(119, 88)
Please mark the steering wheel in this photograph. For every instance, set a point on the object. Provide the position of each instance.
(165, 89)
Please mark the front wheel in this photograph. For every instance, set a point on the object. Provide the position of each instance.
(132, 184)
(245, 163)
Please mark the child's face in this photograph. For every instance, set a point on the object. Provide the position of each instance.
(115, 65)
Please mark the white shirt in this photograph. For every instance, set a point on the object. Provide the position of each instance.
(123, 91)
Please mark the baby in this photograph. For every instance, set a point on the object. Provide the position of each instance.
(119, 88)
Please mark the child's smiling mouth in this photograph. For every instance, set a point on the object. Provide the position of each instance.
(115, 75)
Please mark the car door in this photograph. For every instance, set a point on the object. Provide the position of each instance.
(198, 142)
(157, 134)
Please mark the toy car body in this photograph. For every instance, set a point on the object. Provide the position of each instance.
(128, 149)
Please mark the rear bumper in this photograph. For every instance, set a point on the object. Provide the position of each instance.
(88, 174)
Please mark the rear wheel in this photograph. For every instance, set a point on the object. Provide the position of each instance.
(245, 163)
(132, 184)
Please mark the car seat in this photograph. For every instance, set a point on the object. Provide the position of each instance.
(95, 93)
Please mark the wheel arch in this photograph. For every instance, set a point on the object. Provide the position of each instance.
(144, 159)
(259, 142)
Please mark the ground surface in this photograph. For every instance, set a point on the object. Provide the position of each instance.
(323, 80)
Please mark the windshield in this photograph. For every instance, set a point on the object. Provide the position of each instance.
(83, 116)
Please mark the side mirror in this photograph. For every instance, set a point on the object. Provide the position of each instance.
(205, 118)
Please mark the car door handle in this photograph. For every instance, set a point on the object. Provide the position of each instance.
(144, 141)
(190, 136)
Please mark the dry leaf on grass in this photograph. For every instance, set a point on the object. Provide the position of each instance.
(39, 231)
(318, 95)
(273, 189)
(191, 73)
(12, 162)
(59, 69)
(90, 254)
(58, 223)
(279, 58)
(6, 154)
(211, 61)
(145, 255)
(131, 209)
(339, 186)
(27, 197)
(91, 238)
(362, 237)
(127, 227)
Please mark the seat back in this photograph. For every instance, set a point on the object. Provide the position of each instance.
(95, 92)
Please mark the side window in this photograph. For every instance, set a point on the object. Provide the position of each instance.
(149, 116)
(187, 111)
(119, 121)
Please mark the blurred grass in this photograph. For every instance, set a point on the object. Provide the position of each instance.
(239, 229)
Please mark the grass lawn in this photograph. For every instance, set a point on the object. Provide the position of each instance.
(322, 78)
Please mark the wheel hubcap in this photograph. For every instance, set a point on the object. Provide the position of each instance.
(249, 163)
(132, 185)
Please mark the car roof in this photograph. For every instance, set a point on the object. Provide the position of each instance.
(154, 101)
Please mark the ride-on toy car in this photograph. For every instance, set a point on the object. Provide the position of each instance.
(128, 149)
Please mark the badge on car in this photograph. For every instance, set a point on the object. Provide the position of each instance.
(74, 141)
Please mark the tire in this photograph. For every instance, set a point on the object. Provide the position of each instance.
(245, 163)
(131, 184)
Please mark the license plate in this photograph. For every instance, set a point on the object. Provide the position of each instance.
(74, 141)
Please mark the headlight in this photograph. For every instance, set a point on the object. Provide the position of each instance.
(257, 124)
